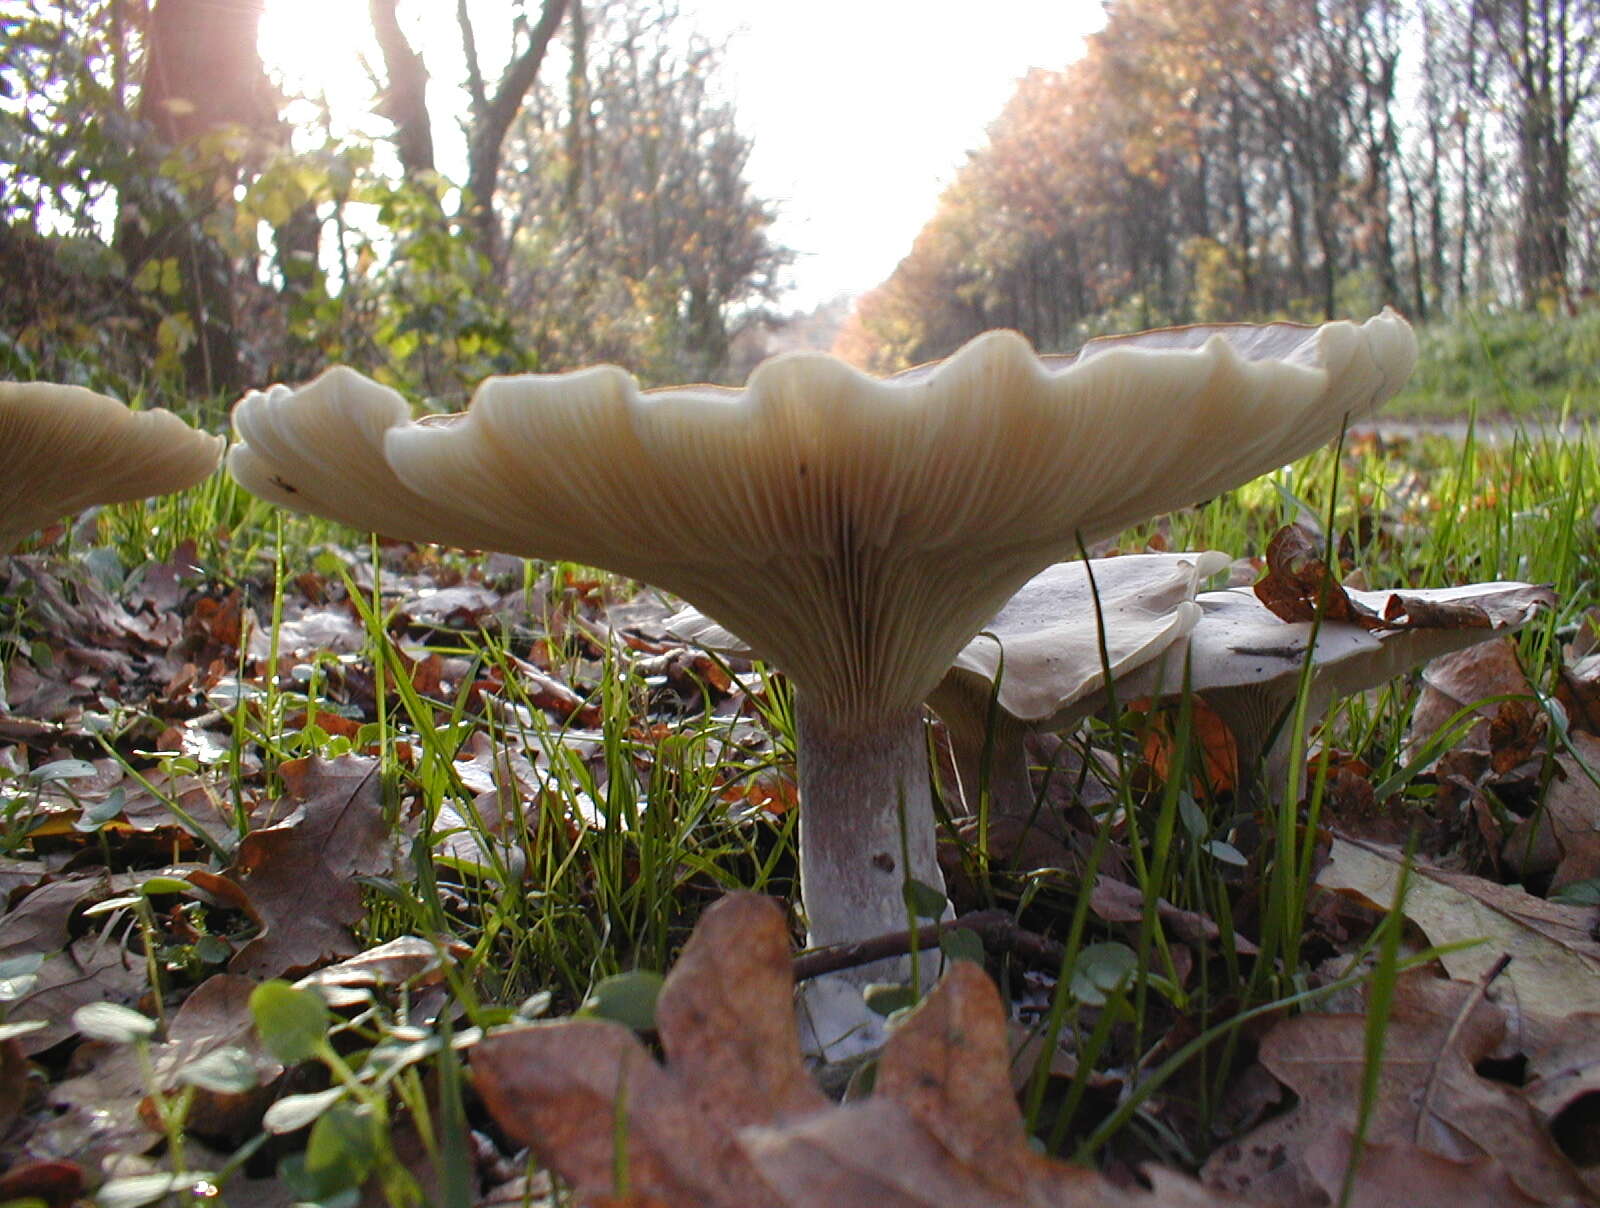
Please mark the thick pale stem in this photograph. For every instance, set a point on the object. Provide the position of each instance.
(857, 782)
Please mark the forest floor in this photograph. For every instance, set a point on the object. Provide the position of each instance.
(297, 839)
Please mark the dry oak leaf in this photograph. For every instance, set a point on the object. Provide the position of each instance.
(299, 875)
(1429, 1096)
(1564, 1088)
(726, 1021)
(733, 1119)
(1555, 959)
(1401, 1174)
(1454, 681)
(1297, 575)
(1563, 836)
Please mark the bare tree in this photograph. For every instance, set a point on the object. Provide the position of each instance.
(1549, 52)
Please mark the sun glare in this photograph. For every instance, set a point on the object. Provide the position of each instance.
(316, 47)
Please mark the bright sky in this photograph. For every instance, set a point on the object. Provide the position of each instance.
(861, 110)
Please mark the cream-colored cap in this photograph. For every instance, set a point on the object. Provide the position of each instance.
(1051, 644)
(67, 448)
(318, 449)
(858, 531)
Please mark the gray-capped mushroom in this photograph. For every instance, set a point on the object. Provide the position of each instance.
(857, 532)
(1245, 662)
(67, 448)
(1041, 660)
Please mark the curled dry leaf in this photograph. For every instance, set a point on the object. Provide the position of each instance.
(1429, 1098)
(409, 960)
(1555, 965)
(1297, 576)
(732, 1118)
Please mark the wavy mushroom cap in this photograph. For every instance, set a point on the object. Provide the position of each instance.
(67, 448)
(318, 449)
(857, 531)
(1052, 643)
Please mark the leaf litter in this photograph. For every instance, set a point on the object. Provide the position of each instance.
(166, 665)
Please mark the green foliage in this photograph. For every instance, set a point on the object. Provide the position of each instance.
(229, 257)
(293, 1023)
(1517, 363)
(639, 241)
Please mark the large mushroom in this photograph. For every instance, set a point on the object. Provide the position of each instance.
(67, 448)
(856, 532)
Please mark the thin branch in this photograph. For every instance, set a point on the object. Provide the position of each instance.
(469, 48)
(997, 929)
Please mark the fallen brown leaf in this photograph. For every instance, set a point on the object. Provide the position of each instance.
(1563, 836)
(215, 1016)
(1454, 681)
(548, 1084)
(52, 1184)
(1297, 578)
(13, 1082)
(1555, 966)
(732, 1118)
(300, 875)
(1402, 1174)
(1429, 1096)
(1564, 1088)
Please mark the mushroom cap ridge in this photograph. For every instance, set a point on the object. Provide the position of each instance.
(318, 449)
(1045, 646)
(857, 531)
(1241, 644)
(68, 447)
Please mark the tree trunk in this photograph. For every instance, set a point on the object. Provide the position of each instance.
(405, 101)
(201, 74)
(491, 119)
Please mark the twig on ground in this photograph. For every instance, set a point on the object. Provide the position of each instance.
(997, 929)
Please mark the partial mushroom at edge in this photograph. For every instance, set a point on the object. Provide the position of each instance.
(67, 448)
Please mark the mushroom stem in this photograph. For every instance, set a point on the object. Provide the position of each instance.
(858, 780)
(975, 735)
